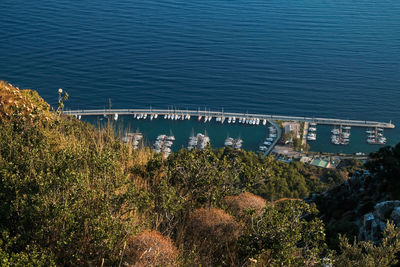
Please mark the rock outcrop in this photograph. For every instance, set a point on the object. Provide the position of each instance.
(373, 223)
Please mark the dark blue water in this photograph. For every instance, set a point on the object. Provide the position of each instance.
(314, 58)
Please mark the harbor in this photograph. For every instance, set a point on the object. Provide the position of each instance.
(255, 132)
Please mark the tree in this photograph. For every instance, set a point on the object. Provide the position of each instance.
(367, 254)
(286, 234)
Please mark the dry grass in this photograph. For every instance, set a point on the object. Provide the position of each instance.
(150, 248)
(214, 233)
(240, 204)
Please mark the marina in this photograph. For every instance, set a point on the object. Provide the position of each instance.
(269, 132)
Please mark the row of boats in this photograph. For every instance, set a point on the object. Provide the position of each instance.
(234, 143)
(133, 138)
(375, 136)
(200, 141)
(175, 116)
(269, 140)
(312, 129)
(163, 144)
(341, 135)
(144, 116)
(241, 120)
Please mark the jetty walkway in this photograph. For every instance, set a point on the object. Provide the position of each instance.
(149, 112)
(278, 137)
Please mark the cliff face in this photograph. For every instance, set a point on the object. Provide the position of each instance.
(362, 206)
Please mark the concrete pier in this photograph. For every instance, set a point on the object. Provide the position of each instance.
(327, 121)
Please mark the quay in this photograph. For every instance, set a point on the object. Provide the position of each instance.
(326, 121)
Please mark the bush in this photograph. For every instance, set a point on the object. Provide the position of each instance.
(150, 248)
(245, 202)
(214, 233)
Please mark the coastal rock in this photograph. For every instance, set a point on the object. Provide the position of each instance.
(395, 216)
(383, 210)
(371, 228)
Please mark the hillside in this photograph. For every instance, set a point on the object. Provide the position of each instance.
(72, 194)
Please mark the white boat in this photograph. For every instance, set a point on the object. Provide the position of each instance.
(258, 121)
(234, 120)
(346, 127)
(263, 148)
(335, 131)
(264, 122)
(240, 120)
(218, 119)
(311, 138)
(312, 129)
(145, 116)
(267, 143)
(372, 141)
(151, 117)
(161, 137)
(210, 118)
(199, 119)
(270, 139)
(223, 119)
(188, 117)
(313, 124)
(168, 143)
(171, 138)
(134, 116)
(155, 116)
(205, 119)
(229, 120)
(228, 141)
(116, 116)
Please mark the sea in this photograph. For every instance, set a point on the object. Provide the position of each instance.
(321, 58)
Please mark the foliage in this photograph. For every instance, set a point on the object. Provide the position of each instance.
(286, 234)
(385, 165)
(365, 254)
(71, 194)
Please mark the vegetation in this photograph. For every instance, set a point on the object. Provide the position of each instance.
(71, 194)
